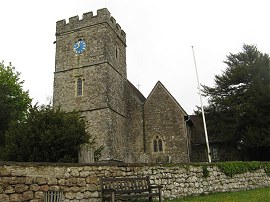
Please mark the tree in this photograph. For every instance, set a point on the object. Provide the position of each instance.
(46, 135)
(14, 101)
(239, 103)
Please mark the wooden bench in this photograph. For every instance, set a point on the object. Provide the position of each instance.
(129, 188)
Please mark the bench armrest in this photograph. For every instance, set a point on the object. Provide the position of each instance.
(108, 190)
(156, 186)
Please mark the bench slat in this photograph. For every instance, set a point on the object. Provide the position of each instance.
(136, 196)
(127, 188)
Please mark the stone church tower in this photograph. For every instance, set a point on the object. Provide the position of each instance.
(91, 80)
(90, 77)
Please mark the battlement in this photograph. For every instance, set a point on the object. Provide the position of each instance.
(88, 19)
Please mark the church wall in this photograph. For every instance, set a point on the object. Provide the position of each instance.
(94, 93)
(65, 57)
(97, 124)
(116, 91)
(105, 127)
(164, 120)
(135, 135)
(115, 52)
(102, 101)
(116, 138)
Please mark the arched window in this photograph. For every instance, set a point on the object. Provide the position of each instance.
(160, 145)
(157, 144)
(79, 86)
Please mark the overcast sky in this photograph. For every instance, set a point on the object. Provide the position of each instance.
(160, 34)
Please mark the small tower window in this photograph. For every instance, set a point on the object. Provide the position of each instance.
(79, 86)
(116, 52)
(157, 145)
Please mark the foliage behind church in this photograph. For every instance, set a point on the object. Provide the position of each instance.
(239, 104)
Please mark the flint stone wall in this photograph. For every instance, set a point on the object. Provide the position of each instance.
(80, 183)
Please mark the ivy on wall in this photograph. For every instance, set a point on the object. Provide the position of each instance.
(238, 167)
(230, 168)
(267, 168)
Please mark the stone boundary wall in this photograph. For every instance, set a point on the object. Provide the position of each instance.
(80, 182)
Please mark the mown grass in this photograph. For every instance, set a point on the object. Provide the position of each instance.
(255, 195)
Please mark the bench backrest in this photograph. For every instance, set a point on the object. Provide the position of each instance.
(125, 185)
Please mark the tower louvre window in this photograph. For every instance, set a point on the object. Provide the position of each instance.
(79, 87)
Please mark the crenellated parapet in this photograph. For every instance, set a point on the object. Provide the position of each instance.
(88, 19)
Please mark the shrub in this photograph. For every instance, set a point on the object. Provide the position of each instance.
(205, 171)
(238, 167)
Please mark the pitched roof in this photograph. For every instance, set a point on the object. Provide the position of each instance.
(135, 92)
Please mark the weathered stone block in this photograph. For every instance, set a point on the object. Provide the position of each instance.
(70, 195)
(15, 197)
(28, 195)
(9, 190)
(71, 181)
(91, 180)
(61, 181)
(79, 195)
(41, 180)
(4, 172)
(19, 188)
(34, 187)
(44, 188)
(51, 181)
(29, 180)
(39, 194)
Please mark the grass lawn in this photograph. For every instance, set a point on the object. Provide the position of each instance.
(260, 195)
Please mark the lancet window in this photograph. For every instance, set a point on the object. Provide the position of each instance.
(158, 144)
(79, 87)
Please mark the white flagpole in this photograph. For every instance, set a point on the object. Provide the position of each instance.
(204, 123)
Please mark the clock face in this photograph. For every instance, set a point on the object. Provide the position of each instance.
(79, 46)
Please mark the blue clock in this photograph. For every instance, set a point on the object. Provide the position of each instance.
(79, 46)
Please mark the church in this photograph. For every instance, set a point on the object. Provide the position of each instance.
(90, 77)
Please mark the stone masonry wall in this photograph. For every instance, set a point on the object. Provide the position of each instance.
(80, 183)
(164, 118)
